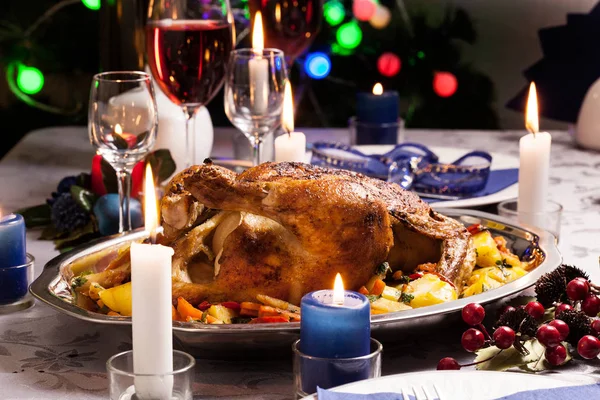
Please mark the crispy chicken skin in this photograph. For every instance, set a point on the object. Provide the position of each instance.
(284, 229)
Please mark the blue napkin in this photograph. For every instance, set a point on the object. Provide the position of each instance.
(498, 180)
(566, 393)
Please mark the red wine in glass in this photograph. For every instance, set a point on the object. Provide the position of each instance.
(189, 58)
(290, 26)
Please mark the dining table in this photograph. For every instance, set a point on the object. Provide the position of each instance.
(45, 354)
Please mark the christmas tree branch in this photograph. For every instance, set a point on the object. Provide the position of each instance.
(49, 12)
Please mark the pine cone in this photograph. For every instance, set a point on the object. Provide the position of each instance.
(67, 215)
(519, 321)
(552, 287)
(579, 325)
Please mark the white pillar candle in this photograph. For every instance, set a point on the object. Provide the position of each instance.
(151, 308)
(290, 147)
(259, 70)
(534, 166)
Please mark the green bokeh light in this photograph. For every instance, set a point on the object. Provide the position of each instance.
(340, 51)
(349, 35)
(30, 80)
(92, 4)
(420, 55)
(334, 12)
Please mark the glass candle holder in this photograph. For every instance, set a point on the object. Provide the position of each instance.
(14, 286)
(310, 372)
(377, 133)
(122, 379)
(548, 219)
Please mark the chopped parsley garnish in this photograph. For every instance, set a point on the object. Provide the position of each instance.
(404, 279)
(406, 298)
(78, 282)
(383, 269)
(373, 298)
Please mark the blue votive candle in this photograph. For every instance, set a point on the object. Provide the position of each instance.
(13, 281)
(331, 330)
(377, 116)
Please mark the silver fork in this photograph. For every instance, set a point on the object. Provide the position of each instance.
(423, 393)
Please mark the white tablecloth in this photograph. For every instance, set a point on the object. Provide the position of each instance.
(47, 355)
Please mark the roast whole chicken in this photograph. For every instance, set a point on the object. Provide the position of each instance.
(285, 229)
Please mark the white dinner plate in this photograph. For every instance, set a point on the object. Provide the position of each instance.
(460, 385)
(450, 154)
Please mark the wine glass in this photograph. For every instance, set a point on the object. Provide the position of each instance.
(254, 91)
(122, 123)
(188, 44)
(289, 25)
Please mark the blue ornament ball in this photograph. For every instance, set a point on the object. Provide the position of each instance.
(106, 211)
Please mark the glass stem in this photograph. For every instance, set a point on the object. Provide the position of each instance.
(124, 180)
(256, 142)
(190, 135)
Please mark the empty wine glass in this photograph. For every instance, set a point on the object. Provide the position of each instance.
(122, 122)
(254, 90)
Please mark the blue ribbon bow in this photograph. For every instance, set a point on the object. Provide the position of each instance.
(412, 166)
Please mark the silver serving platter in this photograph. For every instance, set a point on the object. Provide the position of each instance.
(52, 288)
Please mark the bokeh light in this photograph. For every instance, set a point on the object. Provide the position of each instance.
(92, 4)
(445, 84)
(349, 35)
(389, 64)
(363, 10)
(317, 65)
(30, 80)
(334, 12)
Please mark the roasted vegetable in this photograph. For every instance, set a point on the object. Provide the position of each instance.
(222, 313)
(429, 290)
(385, 305)
(117, 298)
(487, 249)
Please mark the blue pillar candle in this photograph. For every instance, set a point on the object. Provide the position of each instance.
(377, 114)
(13, 281)
(334, 327)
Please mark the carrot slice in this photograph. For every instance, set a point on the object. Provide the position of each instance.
(378, 287)
(186, 310)
(363, 290)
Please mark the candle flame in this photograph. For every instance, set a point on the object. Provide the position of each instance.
(150, 204)
(287, 116)
(118, 129)
(258, 40)
(277, 13)
(531, 111)
(378, 89)
(338, 290)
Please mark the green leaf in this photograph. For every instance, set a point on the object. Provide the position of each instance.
(119, 142)
(76, 236)
(141, 137)
(163, 165)
(83, 197)
(109, 177)
(36, 215)
(509, 358)
(542, 364)
(50, 233)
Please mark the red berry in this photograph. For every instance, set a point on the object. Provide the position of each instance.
(535, 309)
(588, 347)
(577, 289)
(504, 337)
(507, 309)
(473, 314)
(560, 307)
(472, 339)
(591, 305)
(562, 327)
(596, 325)
(556, 355)
(548, 335)
(448, 363)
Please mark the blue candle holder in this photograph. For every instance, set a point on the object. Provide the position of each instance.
(14, 286)
(310, 371)
(376, 132)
